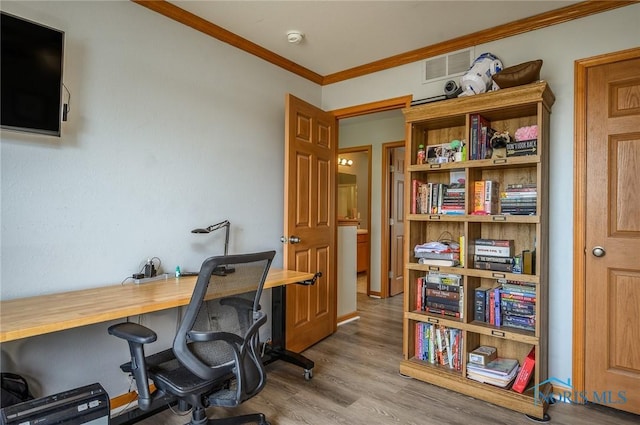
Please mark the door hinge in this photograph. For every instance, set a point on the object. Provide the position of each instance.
(390, 274)
(392, 169)
(391, 222)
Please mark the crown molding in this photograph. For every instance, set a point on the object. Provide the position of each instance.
(189, 19)
(542, 20)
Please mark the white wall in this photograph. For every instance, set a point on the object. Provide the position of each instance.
(346, 284)
(559, 46)
(169, 130)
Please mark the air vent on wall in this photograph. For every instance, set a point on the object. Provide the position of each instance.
(446, 66)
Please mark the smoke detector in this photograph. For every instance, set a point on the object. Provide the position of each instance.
(295, 37)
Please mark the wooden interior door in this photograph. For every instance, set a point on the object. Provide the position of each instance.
(612, 238)
(309, 221)
(396, 247)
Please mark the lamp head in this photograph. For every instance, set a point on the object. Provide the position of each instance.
(200, 231)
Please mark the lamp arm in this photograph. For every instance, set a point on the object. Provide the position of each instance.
(227, 225)
(220, 225)
(226, 238)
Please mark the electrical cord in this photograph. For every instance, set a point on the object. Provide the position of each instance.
(159, 262)
(124, 408)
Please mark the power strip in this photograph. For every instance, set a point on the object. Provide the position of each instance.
(163, 276)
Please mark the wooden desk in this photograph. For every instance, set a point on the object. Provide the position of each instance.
(25, 317)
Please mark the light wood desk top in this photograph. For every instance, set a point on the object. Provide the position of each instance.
(25, 317)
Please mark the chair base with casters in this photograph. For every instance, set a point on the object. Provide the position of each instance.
(207, 367)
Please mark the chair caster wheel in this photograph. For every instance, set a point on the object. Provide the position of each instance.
(308, 374)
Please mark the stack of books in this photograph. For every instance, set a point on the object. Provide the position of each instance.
(437, 253)
(499, 372)
(453, 199)
(519, 199)
(494, 254)
(518, 304)
(441, 293)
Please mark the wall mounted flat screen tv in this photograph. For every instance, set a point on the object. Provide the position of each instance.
(31, 73)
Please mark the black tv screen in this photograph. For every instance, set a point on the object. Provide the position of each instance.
(31, 72)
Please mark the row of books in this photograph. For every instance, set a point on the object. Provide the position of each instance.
(441, 198)
(440, 293)
(486, 196)
(437, 198)
(511, 304)
(485, 366)
(439, 344)
(519, 199)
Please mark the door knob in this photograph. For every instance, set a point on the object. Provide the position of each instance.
(598, 251)
(292, 239)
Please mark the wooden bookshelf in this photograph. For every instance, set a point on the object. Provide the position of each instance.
(442, 122)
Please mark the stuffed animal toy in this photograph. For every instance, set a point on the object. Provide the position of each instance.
(498, 144)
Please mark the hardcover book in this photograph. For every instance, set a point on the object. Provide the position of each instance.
(480, 311)
(494, 247)
(436, 262)
(526, 371)
(499, 267)
(494, 242)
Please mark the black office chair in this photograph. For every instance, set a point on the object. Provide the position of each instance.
(211, 364)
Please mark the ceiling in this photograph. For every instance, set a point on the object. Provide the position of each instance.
(346, 35)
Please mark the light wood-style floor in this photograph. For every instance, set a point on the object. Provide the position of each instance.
(356, 382)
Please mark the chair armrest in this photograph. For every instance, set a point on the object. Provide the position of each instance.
(137, 335)
(133, 332)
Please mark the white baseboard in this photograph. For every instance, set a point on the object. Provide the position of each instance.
(349, 320)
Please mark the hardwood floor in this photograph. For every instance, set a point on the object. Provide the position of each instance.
(356, 382)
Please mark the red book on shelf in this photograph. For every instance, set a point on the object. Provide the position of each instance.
(525, 372)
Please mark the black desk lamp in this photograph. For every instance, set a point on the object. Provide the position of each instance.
(220, 270)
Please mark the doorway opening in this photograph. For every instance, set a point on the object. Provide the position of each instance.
(354, 205)
(373, 124)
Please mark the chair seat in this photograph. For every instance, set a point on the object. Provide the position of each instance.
(172, 377)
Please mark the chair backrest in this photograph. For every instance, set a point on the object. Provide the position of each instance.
(221, 336)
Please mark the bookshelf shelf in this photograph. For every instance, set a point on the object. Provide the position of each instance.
(476, 218)
(436, 319)
(439, 123)
(501, 163)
